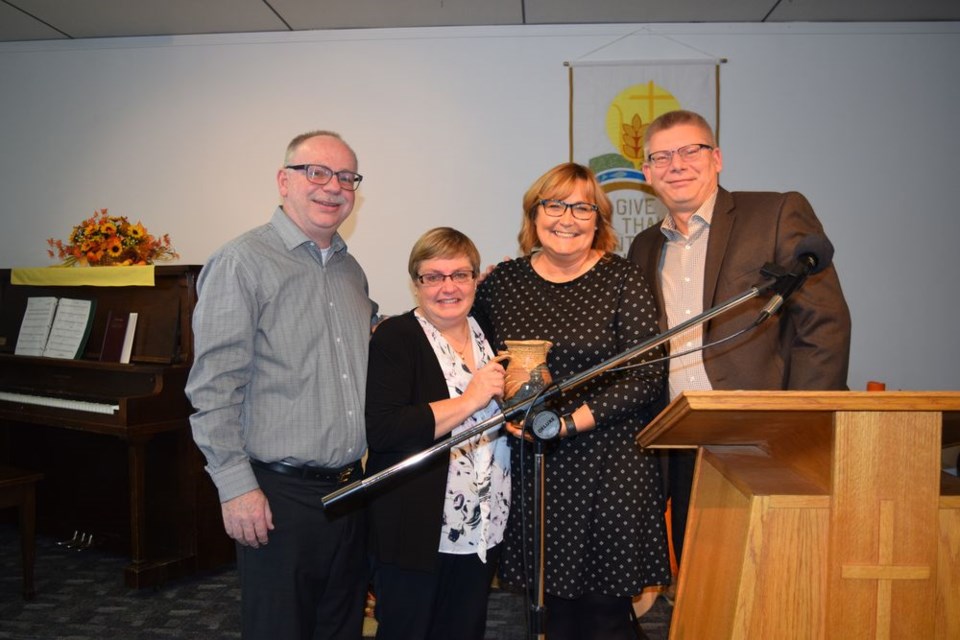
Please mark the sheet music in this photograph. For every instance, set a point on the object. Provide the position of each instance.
(36, 325)
(69, 329)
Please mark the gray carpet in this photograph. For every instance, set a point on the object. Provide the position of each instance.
(81, 596)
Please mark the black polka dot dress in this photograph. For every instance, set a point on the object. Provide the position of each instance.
(605, 529)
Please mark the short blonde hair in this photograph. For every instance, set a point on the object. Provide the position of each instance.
(442, 242)
(556, 184)
(676, 118)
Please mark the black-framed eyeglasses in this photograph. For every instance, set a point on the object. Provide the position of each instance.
(319, 174)
(436, 279)
(580, 210)
(687, 153)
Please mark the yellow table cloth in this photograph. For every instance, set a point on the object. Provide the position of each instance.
(58, 276)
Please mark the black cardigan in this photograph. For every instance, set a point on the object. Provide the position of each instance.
(404, 513)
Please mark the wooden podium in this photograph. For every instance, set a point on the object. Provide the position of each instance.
(817, 514)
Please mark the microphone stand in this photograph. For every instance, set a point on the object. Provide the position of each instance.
(518, 408)
(537, 622)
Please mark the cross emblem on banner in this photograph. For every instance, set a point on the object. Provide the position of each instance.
(650, 95)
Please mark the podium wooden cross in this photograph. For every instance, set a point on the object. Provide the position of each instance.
(817, 514)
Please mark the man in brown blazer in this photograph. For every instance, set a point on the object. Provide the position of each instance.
(711, 248)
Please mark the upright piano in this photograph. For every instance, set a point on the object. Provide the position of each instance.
(113, 440)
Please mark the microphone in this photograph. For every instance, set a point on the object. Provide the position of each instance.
(813, 254)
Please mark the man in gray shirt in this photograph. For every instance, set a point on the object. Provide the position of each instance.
(281, 331)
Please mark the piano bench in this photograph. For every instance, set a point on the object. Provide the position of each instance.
(18, 489)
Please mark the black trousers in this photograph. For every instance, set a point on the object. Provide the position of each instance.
(449, 603)
(309, 582)
(680, 469)
(592, 616)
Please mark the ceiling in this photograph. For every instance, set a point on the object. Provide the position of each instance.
(73, 19)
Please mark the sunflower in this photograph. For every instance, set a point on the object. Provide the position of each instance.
(104, 240)
(114, 247)
(136, 231)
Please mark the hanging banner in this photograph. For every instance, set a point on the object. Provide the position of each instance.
(611, 105)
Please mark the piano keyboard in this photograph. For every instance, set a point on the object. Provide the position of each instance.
(61, 403)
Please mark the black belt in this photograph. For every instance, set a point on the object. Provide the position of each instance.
(333, 476)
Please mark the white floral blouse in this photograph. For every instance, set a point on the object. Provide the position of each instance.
(477, 498)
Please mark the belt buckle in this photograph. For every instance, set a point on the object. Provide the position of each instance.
(344, 475)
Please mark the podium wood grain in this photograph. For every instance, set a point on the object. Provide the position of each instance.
(817, 515)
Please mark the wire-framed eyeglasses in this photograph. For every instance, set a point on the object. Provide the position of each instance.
(436, 279)
(580, 210)
(687, 153)
(320, 174)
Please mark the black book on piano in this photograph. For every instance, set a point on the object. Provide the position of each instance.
(118, 337)
(113, 336)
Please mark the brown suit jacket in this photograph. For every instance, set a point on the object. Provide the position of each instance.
(807, 345)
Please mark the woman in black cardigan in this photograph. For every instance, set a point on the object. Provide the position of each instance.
(435, 531)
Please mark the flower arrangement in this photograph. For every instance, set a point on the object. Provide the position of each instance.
(103, 240)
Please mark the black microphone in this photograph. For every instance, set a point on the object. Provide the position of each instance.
(813, 254)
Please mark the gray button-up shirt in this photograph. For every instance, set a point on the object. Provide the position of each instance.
(281, 355)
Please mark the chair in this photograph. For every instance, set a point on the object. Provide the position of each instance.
(18, 489)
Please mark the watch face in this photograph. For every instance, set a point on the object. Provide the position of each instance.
(546, 425)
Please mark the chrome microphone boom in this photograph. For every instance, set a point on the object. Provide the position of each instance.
(519, 408)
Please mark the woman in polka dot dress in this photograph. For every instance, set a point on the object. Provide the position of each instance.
(605, 537)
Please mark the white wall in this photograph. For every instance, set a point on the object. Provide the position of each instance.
(452, 124)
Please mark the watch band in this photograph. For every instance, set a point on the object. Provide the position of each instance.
(570, 425)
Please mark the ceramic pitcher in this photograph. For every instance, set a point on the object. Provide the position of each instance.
(528, 364)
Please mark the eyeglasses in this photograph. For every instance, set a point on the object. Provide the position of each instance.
(436, 279)
(319, 174)
(688, 153)
(580, 210)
